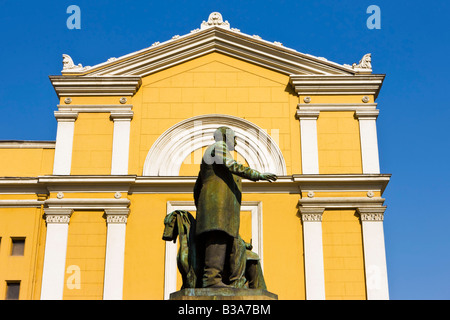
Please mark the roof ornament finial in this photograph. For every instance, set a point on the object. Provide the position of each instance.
(215, 20)
(364, 64)
(69, 66)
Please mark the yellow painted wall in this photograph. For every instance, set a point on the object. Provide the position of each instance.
(21, 223)
(22, 162)
(338, 143)
(343, 255)
(214, 83)
(92, 144)
(86, 247)
(144, 247)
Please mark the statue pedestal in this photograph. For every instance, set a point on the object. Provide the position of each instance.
(222, 294)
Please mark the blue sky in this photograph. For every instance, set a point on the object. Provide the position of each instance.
(410, 48)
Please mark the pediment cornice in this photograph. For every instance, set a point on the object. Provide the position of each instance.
(213, 36)
(214, 39)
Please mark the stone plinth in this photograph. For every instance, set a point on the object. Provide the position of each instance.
(222, 294)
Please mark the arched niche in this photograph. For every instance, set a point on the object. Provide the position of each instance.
(170, 150)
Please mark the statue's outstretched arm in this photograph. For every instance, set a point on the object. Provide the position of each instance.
(240, 169)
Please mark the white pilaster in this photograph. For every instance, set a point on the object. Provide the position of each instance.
(121, 141)
(308, 138)
(64, 142)
(55, 253)
(313, 253)
(116, 220)
(374, 253)
(369, 141)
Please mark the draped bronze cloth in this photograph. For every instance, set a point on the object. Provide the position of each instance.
(244, 266)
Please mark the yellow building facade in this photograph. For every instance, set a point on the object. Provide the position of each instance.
(82, 217)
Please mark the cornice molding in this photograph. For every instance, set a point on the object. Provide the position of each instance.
(121, 115)
(216, 39)
(66, 116)
(347, 182)
(26, 144)
(366, 114)
(340, 202)
(309, 74)
(21, 203)
(295, 184)
(87, 203)
(307, 114)
(364, 84)
(72, 86)
(318, 107)
(95, 108)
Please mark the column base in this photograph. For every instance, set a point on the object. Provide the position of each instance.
(222, 294)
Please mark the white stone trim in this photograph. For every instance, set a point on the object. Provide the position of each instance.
(26, 144)
(121, 142)
(115, 253)
(369, 141)
(55, 253)
(374, 253)
(73, 86)
(95, 108)
(341, 202)
(313, 252)
(88, 203)
(21, 203)
(170, 269)
(157, 184)
(258, 148)
(64, 142)
(308, 138)
(337, 106)
(359, 84)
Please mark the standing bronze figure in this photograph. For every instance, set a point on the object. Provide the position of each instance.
(211, 253)
(217, 195)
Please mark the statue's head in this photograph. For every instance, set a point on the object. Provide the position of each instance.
(227, 135)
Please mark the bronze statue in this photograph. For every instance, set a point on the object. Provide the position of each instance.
(212, 254)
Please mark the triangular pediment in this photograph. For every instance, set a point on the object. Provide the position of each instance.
(214, 35)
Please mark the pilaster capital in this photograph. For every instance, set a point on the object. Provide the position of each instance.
(371, 213)
(57, 215)
(307, 114)
(367, 114)
(121, 115)
(66, 116)
(311, 214)
(117, 215)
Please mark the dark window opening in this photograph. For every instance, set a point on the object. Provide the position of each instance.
(18, 246)
(12, 290)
